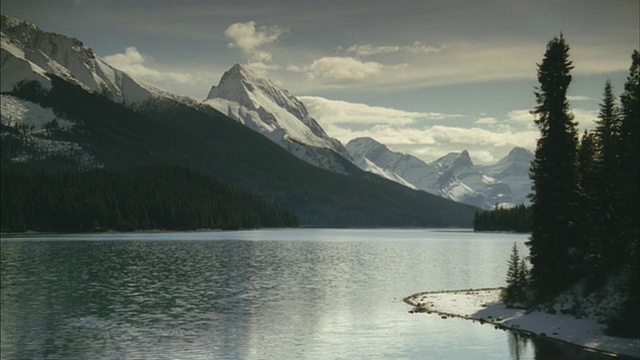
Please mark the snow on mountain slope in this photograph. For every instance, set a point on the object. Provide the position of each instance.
(263, 106)
(513, 170)
(453, 188)
(368, 165)
(28, 53)
(396, 165)
(453, 176)
(493, 190)
(32, 128)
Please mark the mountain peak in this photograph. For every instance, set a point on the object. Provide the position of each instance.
(240, 69)
(11, 22)
(240, 72)
(462, 161)
(236, 67)
(262, 105)
(365, 141)
(518, 153)
(28, 35)
(8, 21)
(31, 54)
(243, 85)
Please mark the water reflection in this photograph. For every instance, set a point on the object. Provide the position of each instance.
(313, 294)
(521, 345)
(518, 345)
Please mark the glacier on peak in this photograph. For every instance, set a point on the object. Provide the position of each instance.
(265, 107)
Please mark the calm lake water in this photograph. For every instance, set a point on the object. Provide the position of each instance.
(268, 294)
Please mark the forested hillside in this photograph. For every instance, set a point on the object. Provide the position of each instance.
(166, 198)
(163, 131)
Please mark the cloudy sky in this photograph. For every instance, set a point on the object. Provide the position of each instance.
(424, 77)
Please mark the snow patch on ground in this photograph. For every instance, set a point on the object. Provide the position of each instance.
(484, 305)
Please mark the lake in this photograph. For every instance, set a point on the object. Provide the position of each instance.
(264, 294)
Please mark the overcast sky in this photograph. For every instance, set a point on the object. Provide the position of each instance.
(424, 77)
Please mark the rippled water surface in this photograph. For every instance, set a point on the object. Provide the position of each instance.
(281, 294)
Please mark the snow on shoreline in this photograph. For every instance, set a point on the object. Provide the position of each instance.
(484, 305)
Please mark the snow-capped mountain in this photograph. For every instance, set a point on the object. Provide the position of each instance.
(402, 168)
(513, 170)
(29, 53)
(453, 176)
(87, 114)
(263, 106)
(462, 170)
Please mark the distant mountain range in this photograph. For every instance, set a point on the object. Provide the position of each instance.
(453, 176)
(272, 111)
(64, 108)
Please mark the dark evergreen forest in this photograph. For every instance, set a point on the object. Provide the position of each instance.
(516, 219)
(166, 198)
(585, 219)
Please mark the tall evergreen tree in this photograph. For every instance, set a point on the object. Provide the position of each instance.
(608, 132)
(517, 274)
(605, 192)
(628, 320)
(587, 164)
(555, 244)
(592, 209)
(630, 153)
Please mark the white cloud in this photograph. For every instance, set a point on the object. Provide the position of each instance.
(130, 56)
(368, 49)
(336, 111)
(585, 118)
(580, 98)
(431, 142)
(486, 121)
(245, 37)
(344, 68)
(416, 47)
(521, 116)
(262, 68)
(419, 47)
(135, 64)
(423, 135)
(415, 132)
(261, 56)
(295, 68)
